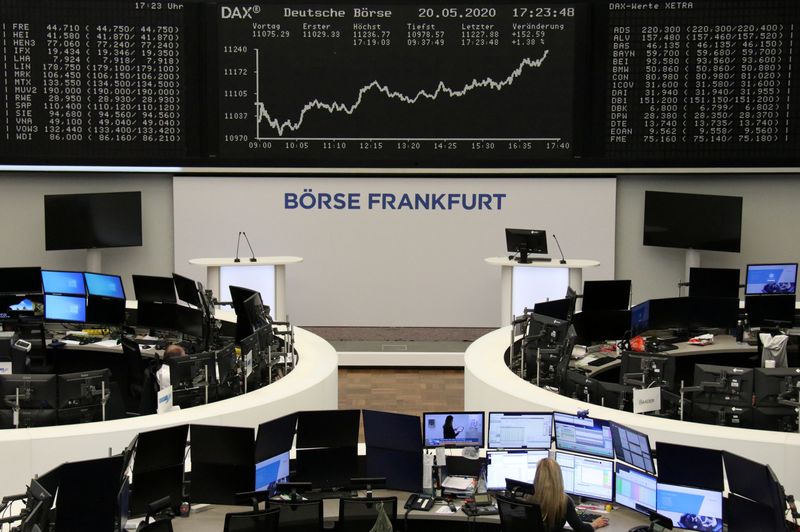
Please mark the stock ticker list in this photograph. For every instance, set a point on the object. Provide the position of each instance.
(702, 79)
(91, 79)
(441, 84)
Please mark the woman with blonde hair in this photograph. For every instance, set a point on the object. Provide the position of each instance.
(557, 508)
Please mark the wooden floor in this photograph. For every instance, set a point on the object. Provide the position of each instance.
(402, 390)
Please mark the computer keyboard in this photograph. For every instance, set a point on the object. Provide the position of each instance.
(82, 338)
(602, 361)
(586, 517)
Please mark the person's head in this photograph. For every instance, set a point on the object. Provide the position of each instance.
(173, 351)
(549, 491)
(448, 420)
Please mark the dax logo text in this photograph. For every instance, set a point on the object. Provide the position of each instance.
(239, 12)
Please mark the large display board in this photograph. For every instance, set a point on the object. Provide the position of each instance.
(591, 83)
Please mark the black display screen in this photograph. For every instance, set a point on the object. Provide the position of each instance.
(84, 221)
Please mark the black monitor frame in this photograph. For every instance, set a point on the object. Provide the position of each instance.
(612, 294)
(792, 290)
(601, 423)
(714, 282)
(724, 385)
(655, 370)
(186, 372)
(617, 430)
(83, 389)
(117, 277)
(526, 241)
(21, 280)
(36, 391)
(60, 293)
(188, 290)
(518, 414)
(69, 220)
(426, 439)
(770, 310)
(154, 289)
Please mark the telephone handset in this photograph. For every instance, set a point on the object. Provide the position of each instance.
(416, 501)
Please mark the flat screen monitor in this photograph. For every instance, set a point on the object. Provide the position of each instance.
(520, 430)
(598, 326)
(20, 307)
(99, 284)
(724, 385)
(255, 311)
(646, 370)
(63, 283)
(592, 478)
(770, 311)
(275, 437)
(190, 320)
(704, 473)
(694, 221)
(560, 309)
(160, 316)
(713, 312)
(35, 391)
(690, 508)
(751, 479)
(583, 435)
(606, 295)
(388, 430)
(21, 280)
(670, 313)
(516, 465)
(65, 308)
(714, 282)
(329, 467)
(244, 326)
(105, 310)
(222, 463)
(640, 318)
(401, 469)
(771, 279)
(187, 290)
(634, 489)
(528, 240)
(632, 447)
(191, 371)
(271, 471)
(85, 221)
(154, 289)
(612, 395)
(327, 428)
(453, 429)
(772, 383)
(84, 388)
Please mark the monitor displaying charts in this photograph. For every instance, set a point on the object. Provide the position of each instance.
(690, 508)
(520, 430)
(271, 471)
(583, 435)
(516, 465)
(632, 447)
(771, 279)
(587, 477)
(634, 489)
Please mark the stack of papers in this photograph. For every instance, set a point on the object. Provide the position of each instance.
(459, 486)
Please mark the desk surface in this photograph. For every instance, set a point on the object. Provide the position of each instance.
(211, 519)
(571, 263)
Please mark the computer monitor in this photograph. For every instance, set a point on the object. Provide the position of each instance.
(755, 481)
(97, 220)
(612, 395)
(588, 477)
(29, 418)
(187, 290)
(105, 310)
(520, 430)
(275, 437)
(690, 508)
(255, 311)
(83, 389)
(63, 283)
(154, 289)
(724, 385)
(578, 385)
(777, 418)
(99, 284)
(191, 371)
(525, 241)
(244, 326)
(645, 370)
(271, 471)
(560, 309)
(453, 429)
(226, 366)
(65, 308)
(25, 280)
(190, 321)
(632, 447)
(21, 307)
(35, 391)
(714, 282)
(750, 515)
(327, 468)
(222, 463)
(634, 489)
(771, 310)
(401, 469)
(159, 316)
(516, 465)
(713, 313)
(774, 383)
(583, 434)
(640, 318)
(670, 313)
(606, 295)
(389, 430)
(771, 279)
(598, 326)
(704, 473)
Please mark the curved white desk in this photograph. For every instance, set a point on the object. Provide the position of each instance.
(522, 285)
(490, 386)
(312, 385)
(274, 275)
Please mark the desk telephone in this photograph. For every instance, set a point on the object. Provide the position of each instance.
(416, 501)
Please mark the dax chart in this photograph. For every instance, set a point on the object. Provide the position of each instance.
(443, 85)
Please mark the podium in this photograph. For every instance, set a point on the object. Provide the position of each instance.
(267, 275)
(522, 285)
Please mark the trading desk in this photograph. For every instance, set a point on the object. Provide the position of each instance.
(212, 518)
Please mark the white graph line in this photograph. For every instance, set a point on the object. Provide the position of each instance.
(441, 88)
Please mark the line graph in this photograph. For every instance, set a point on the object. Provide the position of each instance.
(262, 114)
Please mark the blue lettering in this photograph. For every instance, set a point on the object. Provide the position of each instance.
(485, 201)
(388, 201)
(469, 206)
(499, 198)
(438, 201)
(354, 201)
(374, 199)
(422, 201)
(453, 199)
(405, 202)
(290, 200)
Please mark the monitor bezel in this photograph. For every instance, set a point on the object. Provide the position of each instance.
(747, 275)
(635, 470)
(574, 451)
(117, 277)
(479, 444)
(591, 497)
(60, 320)
(488, 423)
(79, 273)
(612, 424)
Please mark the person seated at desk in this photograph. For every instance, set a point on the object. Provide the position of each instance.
(556, 506)
(156, 378)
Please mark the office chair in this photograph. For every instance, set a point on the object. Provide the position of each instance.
(261, 521)
(299, 516)
(519, 516)
(133, 373)
(164, 525)
(359, 514)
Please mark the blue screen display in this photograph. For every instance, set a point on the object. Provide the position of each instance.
(104, 285)
(63, 282)
(64, 308)
(690, 508)
(271, 471)
(771, 279)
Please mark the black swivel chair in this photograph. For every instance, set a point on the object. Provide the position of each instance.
(299, 516)
(519, 516)
(134, 373)
(164, 525)
(261, 521)
(359, 514)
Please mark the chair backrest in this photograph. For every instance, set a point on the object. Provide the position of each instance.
(133, 360)
(517, 515)
(164, 525)
(261, 521)
(299, 516)
(359, 514)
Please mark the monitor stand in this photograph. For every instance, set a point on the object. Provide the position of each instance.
(523, 256)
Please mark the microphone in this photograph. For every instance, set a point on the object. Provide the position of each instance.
(563, 260)
(252, 253)
(238, 241)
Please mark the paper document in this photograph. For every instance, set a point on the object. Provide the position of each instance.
(458, 483)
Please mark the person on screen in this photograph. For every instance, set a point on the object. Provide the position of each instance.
(557, 508)
(448, 432)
